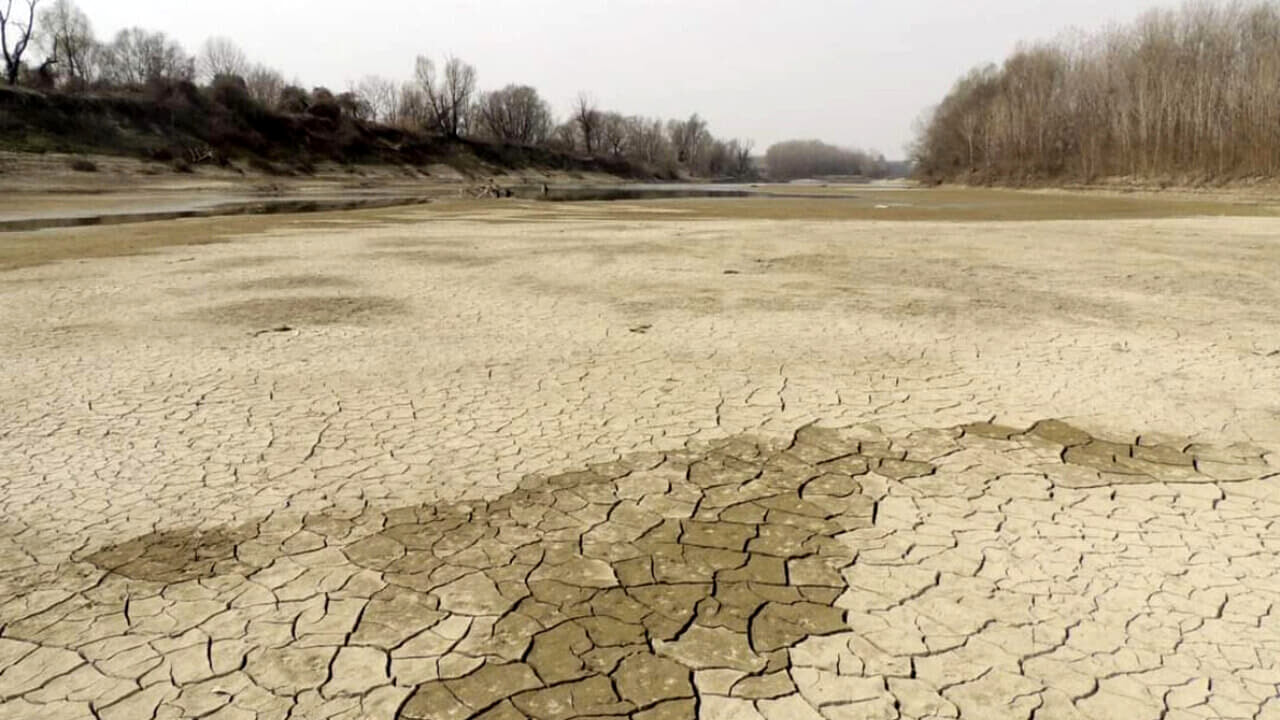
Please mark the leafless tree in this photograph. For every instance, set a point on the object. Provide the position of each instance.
(587, 118)
(136, 57)
(716, 159)
(647, 142)
(265, 85)
(221, 56)
(15, 35)
(810, 158)
(740, 154)
(66, 38)
(564, 137)
(448, 96)
(413, 111)
(613, 134)
(514, 114)
(380, 96)
(688, 138)
(1190, 95)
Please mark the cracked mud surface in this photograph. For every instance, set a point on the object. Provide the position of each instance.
(822, 486)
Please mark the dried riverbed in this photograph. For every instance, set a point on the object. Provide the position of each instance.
(969, 454)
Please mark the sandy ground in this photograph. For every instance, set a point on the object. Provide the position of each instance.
(654, 460)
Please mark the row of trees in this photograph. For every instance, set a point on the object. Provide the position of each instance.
(442, 97)
(73, 59)
(811, 158)
(1193, 93)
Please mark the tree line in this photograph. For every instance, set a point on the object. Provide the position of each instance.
(442, 96)
(794, 159)
(1180, 95)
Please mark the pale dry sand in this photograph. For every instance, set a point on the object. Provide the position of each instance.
(635, 460)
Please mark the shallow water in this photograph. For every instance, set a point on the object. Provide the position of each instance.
(130, 210)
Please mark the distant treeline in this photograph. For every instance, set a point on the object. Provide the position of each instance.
(795, 159)
(442, 98)
(1181, 96)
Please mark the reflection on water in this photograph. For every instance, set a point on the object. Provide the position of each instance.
(111, 208)
(210, 205)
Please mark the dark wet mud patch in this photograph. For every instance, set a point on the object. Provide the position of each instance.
(605, 588)
(1093, 462)
(309, 310)
(296, 282)
(174, 556)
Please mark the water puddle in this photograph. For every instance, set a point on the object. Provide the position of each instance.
(207, 207)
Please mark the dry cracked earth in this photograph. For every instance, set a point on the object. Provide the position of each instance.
(630, 461)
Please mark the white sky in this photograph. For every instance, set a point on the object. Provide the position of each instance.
(855, 73)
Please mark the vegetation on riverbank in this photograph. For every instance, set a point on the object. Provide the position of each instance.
(141, 91)
(1181, 97)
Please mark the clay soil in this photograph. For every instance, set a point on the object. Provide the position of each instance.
(876, 454)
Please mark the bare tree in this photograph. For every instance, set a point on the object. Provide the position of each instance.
(613, 134)
(265, 85)
(564, 137)
(66, 38)
(647, 142)
(137, 57)
(716, 158)
(412, 108)
(380, 96)
(15, 35)
(1184, 95)
(810, 158)
(514, 114)
(221, 56)
(688, 137)
(449, 96)
(586, 117)
(740, 151)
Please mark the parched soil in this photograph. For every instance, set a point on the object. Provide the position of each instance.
(974, 454)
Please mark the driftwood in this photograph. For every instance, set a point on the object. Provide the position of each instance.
(197, 154)
(490, 190)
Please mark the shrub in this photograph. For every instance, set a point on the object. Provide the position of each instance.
(294, 99)
(327, 109)
(83, 165)
(231, 92)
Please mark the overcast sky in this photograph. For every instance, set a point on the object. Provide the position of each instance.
(855, 73)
